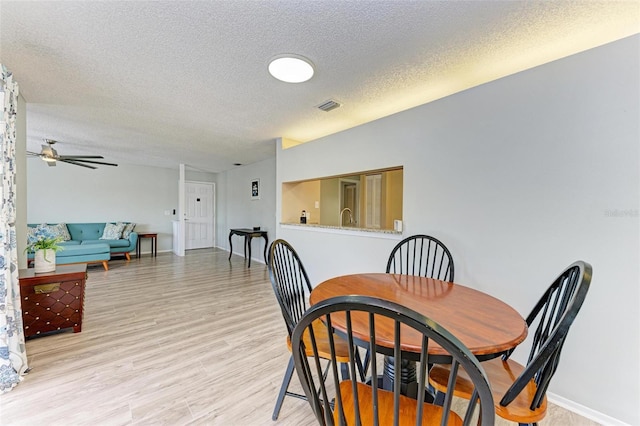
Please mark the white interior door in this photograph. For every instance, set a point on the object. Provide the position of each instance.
(199, 215)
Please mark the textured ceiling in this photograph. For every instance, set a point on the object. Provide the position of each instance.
(161, 83)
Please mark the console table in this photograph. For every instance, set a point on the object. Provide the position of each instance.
(248, 234)
(53, 300)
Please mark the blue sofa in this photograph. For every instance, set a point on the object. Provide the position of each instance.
(85, 245)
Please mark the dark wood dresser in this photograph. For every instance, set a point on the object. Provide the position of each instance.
(53, 300)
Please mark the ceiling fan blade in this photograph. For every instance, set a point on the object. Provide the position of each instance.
(73, 157)
(89, 161)
(50, 155)
(75, 163)
(35, 154)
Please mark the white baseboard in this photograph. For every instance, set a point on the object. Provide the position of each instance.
(587, 412)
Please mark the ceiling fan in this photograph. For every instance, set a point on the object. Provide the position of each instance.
(51, 156)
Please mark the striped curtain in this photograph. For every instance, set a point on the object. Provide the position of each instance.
(13, 355)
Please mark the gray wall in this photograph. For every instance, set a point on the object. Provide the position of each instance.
(519, 177)
(68, 193)
(236, 209)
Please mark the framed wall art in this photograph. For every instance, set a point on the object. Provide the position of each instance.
(255, 189)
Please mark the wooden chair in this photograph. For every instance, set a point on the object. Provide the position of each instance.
(291, 286)
(421, 255)
(519, 391)
(351, 402)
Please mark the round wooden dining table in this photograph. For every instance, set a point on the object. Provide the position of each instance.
(484, 324)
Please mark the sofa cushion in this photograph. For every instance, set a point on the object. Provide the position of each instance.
(85, 231)
(112, 231)
(82, 252)
(111, 243)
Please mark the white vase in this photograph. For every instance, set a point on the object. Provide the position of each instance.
(45, 261)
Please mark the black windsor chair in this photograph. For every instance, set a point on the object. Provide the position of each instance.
(519, 392)
(349, 402)
(291, 286)
(421, 255)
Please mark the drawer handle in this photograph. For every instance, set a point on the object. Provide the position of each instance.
(46, 288)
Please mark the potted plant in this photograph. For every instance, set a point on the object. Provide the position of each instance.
(44, 245)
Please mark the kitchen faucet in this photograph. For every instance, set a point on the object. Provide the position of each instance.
(347, 209)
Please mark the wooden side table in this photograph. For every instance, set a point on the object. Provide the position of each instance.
(154, 243)
(53, 300)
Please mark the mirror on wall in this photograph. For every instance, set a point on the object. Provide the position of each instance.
(370, 199)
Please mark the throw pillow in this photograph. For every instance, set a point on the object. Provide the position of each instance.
(112, 231)
(61, 230)
(57, 230)
(128, 229)
(31, 234)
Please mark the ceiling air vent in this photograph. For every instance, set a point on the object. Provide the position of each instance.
(327, 106)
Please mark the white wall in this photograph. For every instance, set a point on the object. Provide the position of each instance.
(68, 193)
(236, 209)
(519, 177)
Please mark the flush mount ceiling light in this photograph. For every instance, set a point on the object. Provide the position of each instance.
(291, 68)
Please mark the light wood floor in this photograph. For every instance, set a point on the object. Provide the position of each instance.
(196, 340)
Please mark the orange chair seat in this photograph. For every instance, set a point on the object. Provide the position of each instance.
(431, 416)
(322, 341)
(501, 376)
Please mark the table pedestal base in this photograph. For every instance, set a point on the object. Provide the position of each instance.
(408, 383)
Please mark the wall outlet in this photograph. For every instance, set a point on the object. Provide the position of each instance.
(317, 204)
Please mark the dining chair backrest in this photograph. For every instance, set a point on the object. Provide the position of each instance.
(351, 402)
(550, 320)
(289, 280)
(421, 255)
